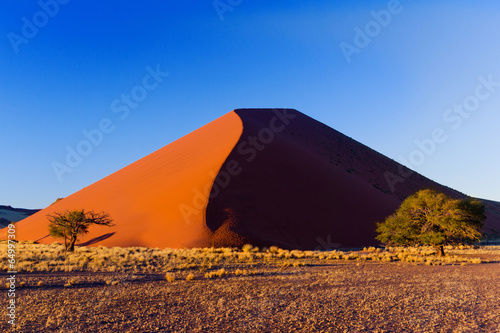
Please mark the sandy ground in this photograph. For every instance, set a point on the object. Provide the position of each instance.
(336, 297)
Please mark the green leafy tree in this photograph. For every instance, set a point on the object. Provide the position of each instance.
(432, 218)
(70, 224)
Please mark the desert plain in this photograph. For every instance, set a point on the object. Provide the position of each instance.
(256, 290)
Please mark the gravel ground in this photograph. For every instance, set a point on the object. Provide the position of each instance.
(338, 297)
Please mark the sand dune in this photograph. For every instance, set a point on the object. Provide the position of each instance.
(144, 197)
(304, 185)
(266, 176)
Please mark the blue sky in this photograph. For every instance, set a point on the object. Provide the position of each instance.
(63, 66)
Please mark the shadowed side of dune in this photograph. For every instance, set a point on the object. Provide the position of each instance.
(301, 184)
(491, 229)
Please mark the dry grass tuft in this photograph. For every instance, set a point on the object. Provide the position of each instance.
(170, 277)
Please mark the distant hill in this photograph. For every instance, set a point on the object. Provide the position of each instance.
(281, 178)
(9, 214)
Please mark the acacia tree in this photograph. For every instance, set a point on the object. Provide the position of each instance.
(70, 224)
(432, 218)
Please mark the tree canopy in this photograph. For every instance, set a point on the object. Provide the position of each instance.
(70, 224)
(432, 218)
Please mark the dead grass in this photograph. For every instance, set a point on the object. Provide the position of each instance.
(52, 258)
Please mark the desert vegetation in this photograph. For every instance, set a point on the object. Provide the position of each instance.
(72, 223)
(33, 257)
(432, 218)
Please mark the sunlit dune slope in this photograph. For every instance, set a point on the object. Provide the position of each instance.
(144, 197)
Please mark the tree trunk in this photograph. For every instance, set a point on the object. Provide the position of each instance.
(441, 250)
(71, 245)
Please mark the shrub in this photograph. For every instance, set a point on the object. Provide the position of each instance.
(273, 249)
(432, 218)
(247, 248)
(221, 272)
(70, 224)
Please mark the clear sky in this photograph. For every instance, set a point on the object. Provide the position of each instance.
(386, 73)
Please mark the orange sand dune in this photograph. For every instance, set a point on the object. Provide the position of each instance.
(143, 198)
(265, 176)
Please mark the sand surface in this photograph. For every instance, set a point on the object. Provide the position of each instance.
(144, 198)
(338, 297)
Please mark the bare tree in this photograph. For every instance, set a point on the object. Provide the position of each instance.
(70, 224)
